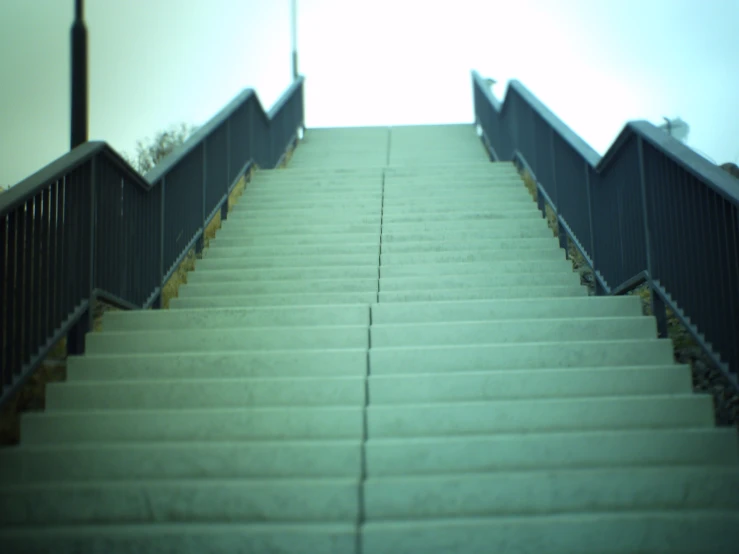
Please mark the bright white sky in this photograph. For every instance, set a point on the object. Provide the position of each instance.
(154, 63)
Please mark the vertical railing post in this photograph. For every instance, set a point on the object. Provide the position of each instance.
(658, 308)
(561, 233)
(159, 303)
(224, 206)
(200, 245)
(76, 334)
(599, 291)
(79, 77)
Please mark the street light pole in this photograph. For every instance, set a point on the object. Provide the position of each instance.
(294, 25)
(79, 77)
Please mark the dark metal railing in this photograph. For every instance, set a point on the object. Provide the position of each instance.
(649, 211)
(89, 227)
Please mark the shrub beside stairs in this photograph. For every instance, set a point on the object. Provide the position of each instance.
(384, 350)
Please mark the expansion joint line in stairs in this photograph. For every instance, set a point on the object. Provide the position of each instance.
(363, 446)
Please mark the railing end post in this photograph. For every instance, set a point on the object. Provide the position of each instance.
(76, 334)
(659, 311)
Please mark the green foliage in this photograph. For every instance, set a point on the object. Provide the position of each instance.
(150, 154)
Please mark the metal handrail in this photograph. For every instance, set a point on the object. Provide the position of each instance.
(88, 226)
(650, 211)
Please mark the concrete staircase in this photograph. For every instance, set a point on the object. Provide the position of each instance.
(383, 351)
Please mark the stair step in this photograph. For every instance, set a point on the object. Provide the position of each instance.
(191, 501)
(234, 228)
(500, 233)
(582, 490)
(531, 220)
(218, 251)
(328, 214)
(438, 198)
(646, 532)
(484, 293)
(411, 247)
(464, 256)
(227, 318)
(478, 280)
(491, 267)
(235, 339)
(514, 384)
(522, 416)
(269, 219)
(529, 355)
(449, 184)
(285, 299)
(479, 332)
(551, 450)
(442, 207)
(241, 286)
(522, 308)
(189, 459)
(220, 365)
(139, 420)
(268, 241)
(501, 214)
(193, 538)
(255, 203)
(295, 261)
(203, 274)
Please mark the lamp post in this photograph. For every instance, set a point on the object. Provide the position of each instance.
(294, 25)
(79, 77)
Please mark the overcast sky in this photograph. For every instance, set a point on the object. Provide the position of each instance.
(153, 63)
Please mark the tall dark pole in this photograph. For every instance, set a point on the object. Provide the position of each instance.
(294, 38)
(79, 77)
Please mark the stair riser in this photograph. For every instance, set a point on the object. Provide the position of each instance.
(232, 502)
(612, 533)
(203, 274)
(184, 460)
(584, 491)
(67, 424)
(533, 222)
(391, 209)
(607, 533)
(232, 340)
(471, 244)
(497, 214)
(240, 365)
(527, 416)
(385, 361)
(484, 293)
(591, 382)
(449, 312)
(218, 251)
(219, 284)
(384, 458)
(551, 450)
(396, 284)
(267, 241)
(235, 318)
(511, 331)
(235, 229)
(505, 494)
(265, 300)
(466, 256)
(235, 288)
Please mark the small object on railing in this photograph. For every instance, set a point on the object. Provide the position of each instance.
(490, 82)
(676, 128)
